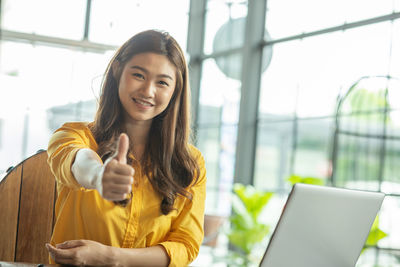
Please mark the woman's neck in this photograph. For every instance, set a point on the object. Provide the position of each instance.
(138, 132)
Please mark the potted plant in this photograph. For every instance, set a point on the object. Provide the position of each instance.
(246, 230)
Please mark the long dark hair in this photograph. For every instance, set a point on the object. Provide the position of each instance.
(167, 160)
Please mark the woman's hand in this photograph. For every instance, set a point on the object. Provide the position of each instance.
(113, 180)
(117, 176)
(82, 252)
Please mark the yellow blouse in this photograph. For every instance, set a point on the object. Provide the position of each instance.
(83, 214)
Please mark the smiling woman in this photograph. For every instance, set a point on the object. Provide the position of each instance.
(131, 189)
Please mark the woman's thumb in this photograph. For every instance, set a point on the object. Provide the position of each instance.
(122, 148)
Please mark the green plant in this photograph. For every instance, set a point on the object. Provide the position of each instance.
(375, 233)
(246, 230)
(305, 180)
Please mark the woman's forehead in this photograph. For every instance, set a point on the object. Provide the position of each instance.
(153, 63)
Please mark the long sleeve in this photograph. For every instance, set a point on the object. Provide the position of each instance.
(62, 149)
(184, 239)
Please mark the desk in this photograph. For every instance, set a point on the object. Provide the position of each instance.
(24, 264)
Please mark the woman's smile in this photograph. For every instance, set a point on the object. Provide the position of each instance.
(142, 103)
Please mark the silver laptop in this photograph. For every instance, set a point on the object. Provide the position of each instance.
(322, 226)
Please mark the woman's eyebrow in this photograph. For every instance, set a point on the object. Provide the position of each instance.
(165, 76)
(146, 71)
(140, 68)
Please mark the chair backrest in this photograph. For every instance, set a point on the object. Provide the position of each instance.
(27, 198)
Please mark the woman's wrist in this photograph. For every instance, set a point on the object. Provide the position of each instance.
(114, 256)
(88, 169)
(149, 256)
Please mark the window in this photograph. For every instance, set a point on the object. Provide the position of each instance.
(309, 54)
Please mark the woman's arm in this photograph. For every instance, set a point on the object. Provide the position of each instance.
(150, 256)
(87, 252)
(74, 163)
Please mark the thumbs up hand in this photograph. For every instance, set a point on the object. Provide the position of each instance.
(117, 175)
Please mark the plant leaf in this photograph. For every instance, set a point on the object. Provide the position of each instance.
(305, 180)
(253, 199)
(375, 234)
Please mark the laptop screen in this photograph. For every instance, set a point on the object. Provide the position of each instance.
(322, 226)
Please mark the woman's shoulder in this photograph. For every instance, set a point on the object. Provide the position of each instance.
(75, 126)
(194, 151)
(197, 156)
(79, 130)
(82, 128)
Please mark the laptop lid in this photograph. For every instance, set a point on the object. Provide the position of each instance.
(322, 226)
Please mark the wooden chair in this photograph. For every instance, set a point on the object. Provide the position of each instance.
(27, 198)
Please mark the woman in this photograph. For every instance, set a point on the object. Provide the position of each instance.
(145, 205)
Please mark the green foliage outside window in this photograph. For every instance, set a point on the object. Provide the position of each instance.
(246, 230)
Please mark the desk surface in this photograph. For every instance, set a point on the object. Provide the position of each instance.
(24, 264)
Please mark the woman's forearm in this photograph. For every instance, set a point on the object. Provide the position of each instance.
(150, 256)
(87, 169)
(92, 253)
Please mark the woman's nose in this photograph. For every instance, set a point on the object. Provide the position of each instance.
(148, 89)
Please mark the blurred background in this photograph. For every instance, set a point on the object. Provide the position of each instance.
(283, 91)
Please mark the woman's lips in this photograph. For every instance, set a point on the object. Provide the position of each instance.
(142, 102)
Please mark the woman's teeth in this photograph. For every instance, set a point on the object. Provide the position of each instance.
(142, 103)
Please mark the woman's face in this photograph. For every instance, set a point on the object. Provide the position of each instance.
(146, 86)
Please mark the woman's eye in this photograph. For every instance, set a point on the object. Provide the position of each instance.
(138, 75)
(163, 83)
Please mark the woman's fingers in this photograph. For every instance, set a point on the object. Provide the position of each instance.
(62, 256)
(122, 148)
(119, 189)
(70, 244)
(80, 253)
(117, 179)
(116, 167)
(115, 197)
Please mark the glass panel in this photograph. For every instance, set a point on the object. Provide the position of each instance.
(314, 142)
(114, 22)
(378, 258)
(62, 18)
(219, 94)
(391, 183)
(358, 162)
(369, 135)
(291, 17)
(219, 164)
(207, 141)
(389, 221)
(55, 85)
(217, 127)
(273, 155)
(395, 58)
(225, 23)
(319, 67)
